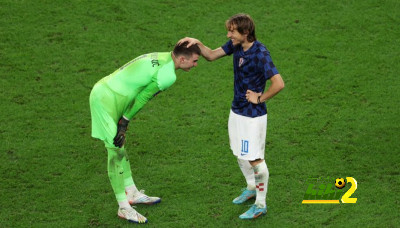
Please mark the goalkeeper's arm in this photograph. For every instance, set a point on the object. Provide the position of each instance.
(142, 98)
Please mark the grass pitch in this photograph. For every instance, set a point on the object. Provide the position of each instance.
(338, 115)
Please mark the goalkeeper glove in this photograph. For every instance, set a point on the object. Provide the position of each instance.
(119, 139)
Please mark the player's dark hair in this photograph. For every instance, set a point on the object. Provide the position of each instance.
(182, 49)
(244, 24)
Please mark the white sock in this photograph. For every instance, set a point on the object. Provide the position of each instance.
(131, 190)
(124, 204)
(248, 173)
(261, 177)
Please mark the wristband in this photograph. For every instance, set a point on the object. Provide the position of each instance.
(258, 100)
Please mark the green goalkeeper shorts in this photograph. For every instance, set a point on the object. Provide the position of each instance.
(106, 108)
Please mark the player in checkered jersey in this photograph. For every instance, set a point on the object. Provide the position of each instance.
(247, 123)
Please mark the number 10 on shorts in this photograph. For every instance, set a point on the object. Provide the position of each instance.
(245, 147)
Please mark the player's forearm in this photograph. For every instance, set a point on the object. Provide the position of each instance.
(142, 99)
(277, 85)
(269, 94)
(206, 52)
(137, 106)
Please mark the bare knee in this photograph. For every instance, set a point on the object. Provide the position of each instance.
(256, 162)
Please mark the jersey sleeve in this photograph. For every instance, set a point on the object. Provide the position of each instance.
(266, 65)
(228, 48)
(165, 77)
(142, 98)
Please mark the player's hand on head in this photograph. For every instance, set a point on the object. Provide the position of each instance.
(191, 41)
(252, 96)
(122, 127)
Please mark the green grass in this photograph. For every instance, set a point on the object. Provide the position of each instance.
(338, 115)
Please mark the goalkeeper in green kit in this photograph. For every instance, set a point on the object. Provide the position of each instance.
(116, 99)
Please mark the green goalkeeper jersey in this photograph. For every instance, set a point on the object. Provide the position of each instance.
(141, 78)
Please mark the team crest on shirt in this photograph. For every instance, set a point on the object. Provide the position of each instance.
(241, 61)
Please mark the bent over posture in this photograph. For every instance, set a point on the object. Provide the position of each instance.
(116, 99)
(247, 123)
